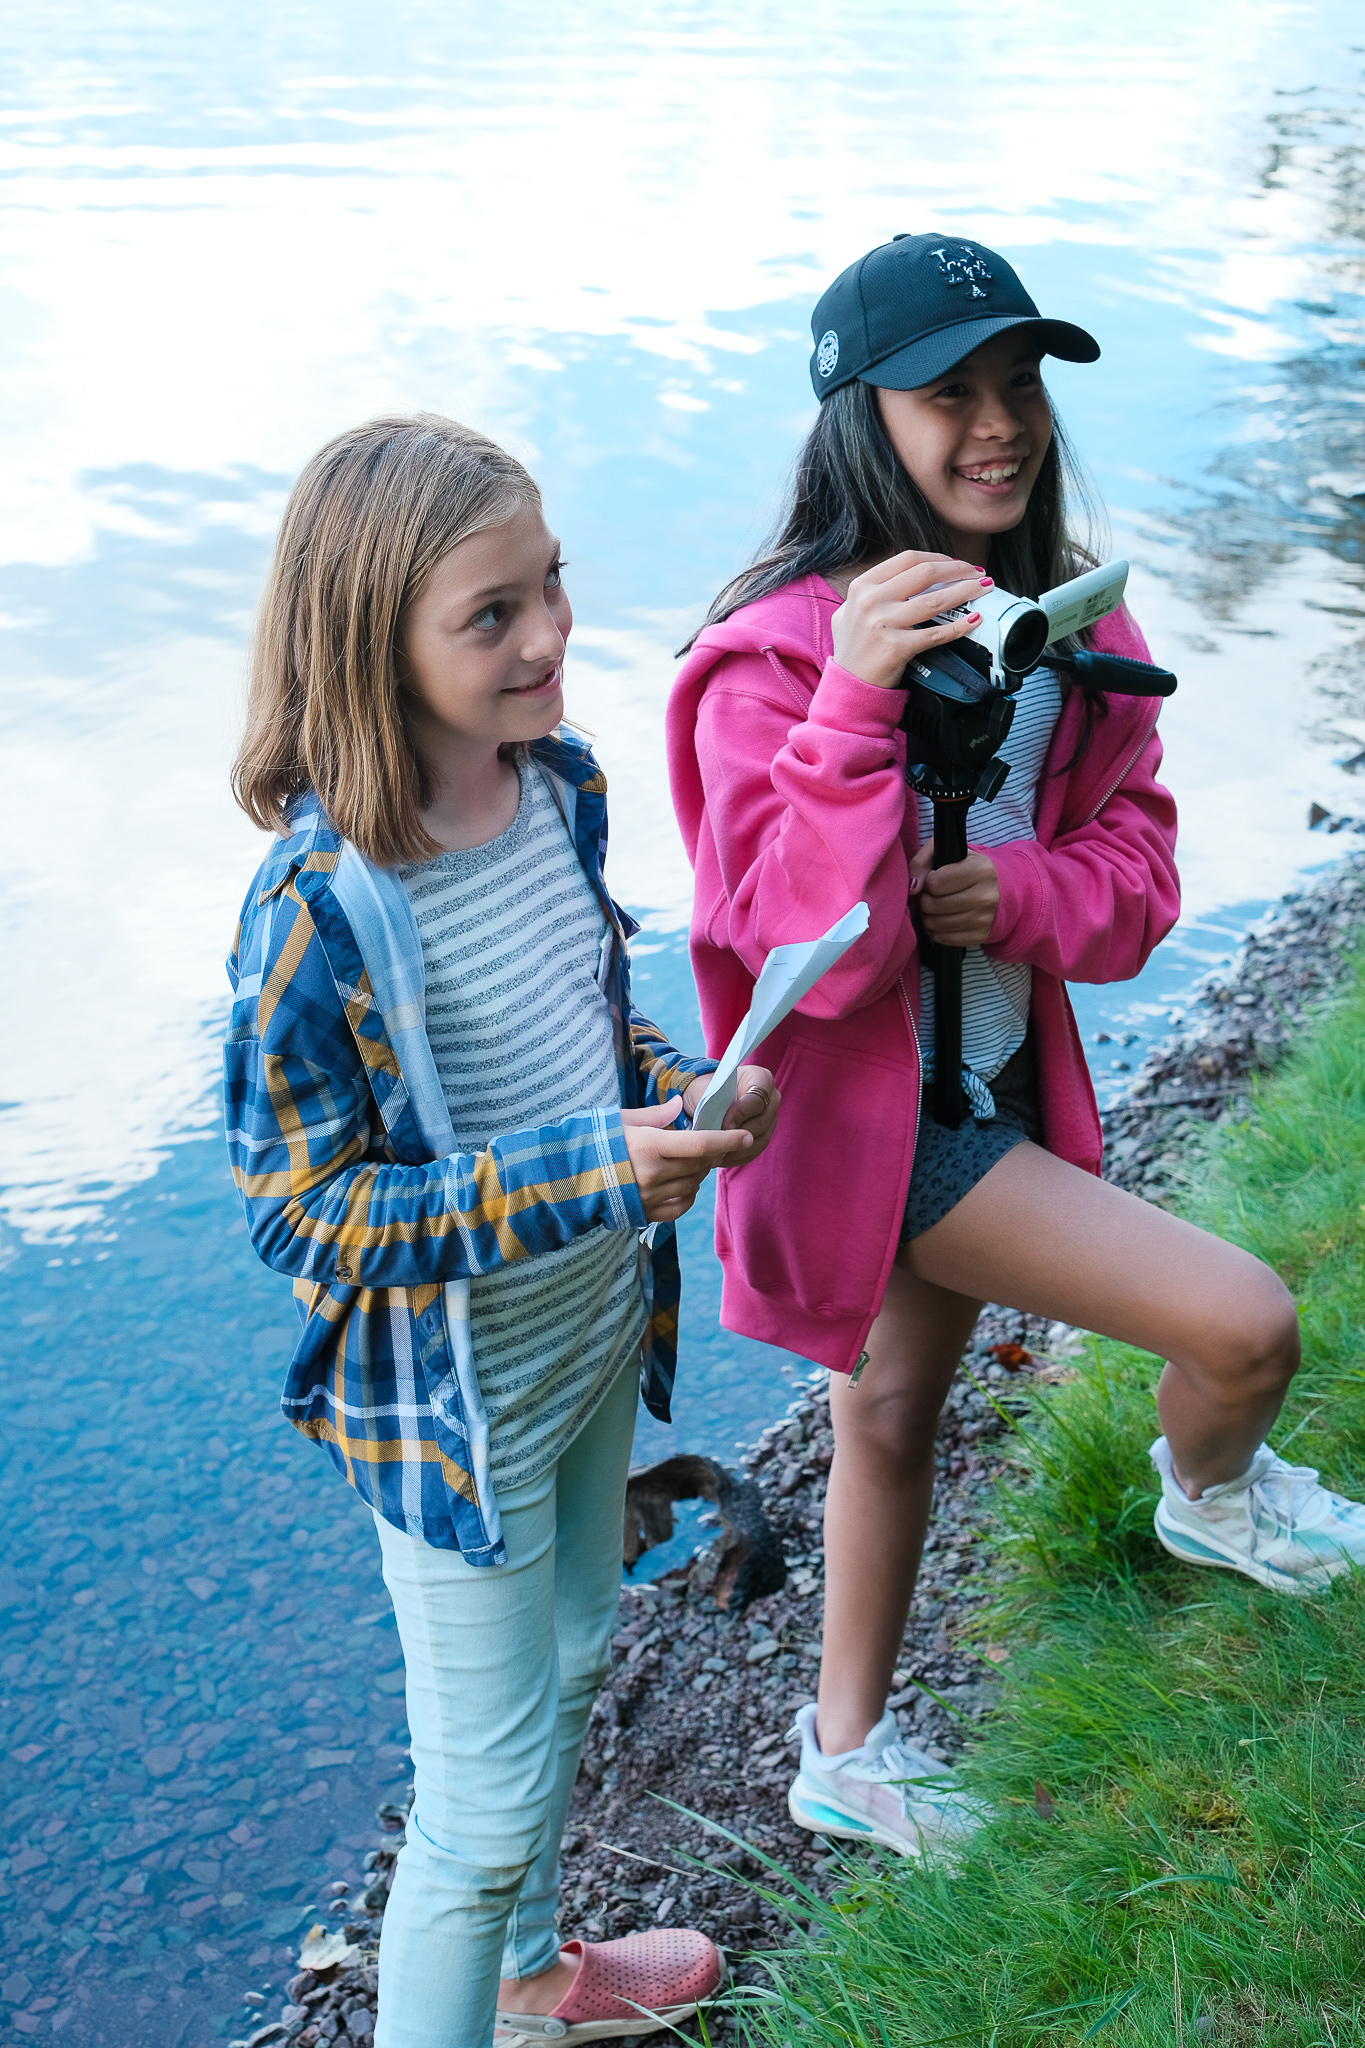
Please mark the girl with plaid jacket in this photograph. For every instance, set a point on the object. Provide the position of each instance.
(453, 1130)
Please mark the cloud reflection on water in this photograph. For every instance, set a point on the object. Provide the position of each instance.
(598, 241)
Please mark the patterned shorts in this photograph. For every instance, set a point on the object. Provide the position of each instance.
(948, 1164)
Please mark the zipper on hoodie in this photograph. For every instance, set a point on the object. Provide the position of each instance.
(1122, 775)
(910, 1020)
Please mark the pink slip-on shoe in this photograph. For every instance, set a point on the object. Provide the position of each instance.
(632, 1986)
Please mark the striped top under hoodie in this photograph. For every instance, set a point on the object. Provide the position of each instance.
(996, 994)
(512, 938)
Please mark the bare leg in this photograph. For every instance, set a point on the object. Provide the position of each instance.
(881, 1485)
(1052, 1241)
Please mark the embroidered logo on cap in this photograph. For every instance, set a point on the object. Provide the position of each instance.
(964, 267)
(827, 354)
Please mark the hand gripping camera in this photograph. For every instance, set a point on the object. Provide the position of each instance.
(960, 710)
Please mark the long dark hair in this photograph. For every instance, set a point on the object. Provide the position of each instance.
(853, 501)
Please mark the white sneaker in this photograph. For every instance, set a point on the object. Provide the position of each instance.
(1275, 1523)
(878, 1793)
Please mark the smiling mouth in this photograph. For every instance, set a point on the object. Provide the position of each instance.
(999, 473)
(546, 682)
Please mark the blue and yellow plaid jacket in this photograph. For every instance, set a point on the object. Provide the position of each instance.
(344, 1155)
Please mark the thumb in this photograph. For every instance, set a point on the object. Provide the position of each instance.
(920, 866)
(655, 1117)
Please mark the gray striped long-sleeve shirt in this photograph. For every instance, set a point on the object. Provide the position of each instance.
(512, 937)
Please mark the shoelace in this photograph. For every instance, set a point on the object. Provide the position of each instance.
(902, 1774)
(1283, 1490)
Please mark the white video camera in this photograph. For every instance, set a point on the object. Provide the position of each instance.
(1015, 631)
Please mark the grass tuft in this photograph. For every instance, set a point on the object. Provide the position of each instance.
(1200, 1874)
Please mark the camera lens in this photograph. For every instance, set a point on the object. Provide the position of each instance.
(1024, 640)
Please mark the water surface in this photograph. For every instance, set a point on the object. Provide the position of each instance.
(598, 236)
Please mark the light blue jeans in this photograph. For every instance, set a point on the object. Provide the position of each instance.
(503, 1665)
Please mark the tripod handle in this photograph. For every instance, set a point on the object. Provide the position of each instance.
(1117, 674)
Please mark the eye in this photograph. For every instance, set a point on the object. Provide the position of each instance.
(951, 391)
(554, 575)
(489, 619)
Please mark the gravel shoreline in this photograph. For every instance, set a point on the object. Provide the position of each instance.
(698, 1702)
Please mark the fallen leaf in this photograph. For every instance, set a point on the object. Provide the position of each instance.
(996, 1653)
(324, 1948)
(1043, 1800)
(1011, 1356)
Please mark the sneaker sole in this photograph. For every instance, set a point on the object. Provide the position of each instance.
(813, 1810)
(1191, 1550)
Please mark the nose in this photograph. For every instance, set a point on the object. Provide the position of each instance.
(997, 419)
(545, 641)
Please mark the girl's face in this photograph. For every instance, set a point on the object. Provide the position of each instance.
(974, 440)
(481, 646)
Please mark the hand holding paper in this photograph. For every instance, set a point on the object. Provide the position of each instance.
(788, 973)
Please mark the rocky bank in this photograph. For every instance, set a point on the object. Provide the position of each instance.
(696, 1710)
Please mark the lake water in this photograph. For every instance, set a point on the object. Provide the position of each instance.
(597, 235)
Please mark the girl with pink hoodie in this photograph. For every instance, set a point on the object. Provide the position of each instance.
(868, 1236)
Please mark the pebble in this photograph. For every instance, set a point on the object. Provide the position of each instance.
(1292, 966)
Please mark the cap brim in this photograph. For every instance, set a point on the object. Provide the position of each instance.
(906, 369)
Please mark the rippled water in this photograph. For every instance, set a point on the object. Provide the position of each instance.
(229, 233)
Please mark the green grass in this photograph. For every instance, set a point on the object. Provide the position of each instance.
(1201, 1743)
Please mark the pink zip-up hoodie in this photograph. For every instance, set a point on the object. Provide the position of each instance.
(788, 778)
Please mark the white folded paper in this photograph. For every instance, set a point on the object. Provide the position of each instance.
(788, 973)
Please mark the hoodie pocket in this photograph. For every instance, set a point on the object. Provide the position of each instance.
(815, 1218)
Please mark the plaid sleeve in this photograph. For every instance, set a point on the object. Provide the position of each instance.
(303, 1127)
(663, 1071)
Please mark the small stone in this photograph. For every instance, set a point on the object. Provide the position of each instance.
(766, 1646)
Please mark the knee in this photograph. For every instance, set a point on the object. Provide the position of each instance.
(471, 1869)
(1258, 1343)
(892, 1433)
(582, 1676)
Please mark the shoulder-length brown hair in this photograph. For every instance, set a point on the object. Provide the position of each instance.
(368, 520)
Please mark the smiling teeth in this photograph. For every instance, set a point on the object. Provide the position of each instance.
(992, 476)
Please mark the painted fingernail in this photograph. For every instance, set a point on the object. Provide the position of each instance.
(973, 618)
(988, 583)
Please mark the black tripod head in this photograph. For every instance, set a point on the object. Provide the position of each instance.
(957, 718)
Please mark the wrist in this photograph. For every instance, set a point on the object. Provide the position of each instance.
(869, 671)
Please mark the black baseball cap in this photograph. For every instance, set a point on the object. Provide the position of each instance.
(907, 311)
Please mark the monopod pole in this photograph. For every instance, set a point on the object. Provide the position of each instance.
(948, 1101)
